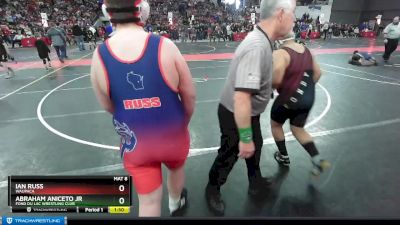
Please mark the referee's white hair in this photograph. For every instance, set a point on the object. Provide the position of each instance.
(268, 7)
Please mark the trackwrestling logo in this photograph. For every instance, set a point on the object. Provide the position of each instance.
(17, 220)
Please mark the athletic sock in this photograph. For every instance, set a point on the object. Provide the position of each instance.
(174, 204)
(311, 149)
(282, 147)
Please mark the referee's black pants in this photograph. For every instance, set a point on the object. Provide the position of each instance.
(229, 150)
(390, 47)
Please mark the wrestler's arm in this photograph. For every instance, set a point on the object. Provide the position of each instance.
(186, 89)
(281, 60)
(317, 70)
(99, 83)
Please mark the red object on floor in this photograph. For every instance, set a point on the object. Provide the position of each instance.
(313, 35)
(28, 42)
(368, 34)
(239, 36)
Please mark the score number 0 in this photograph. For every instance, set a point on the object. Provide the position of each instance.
(121, 200)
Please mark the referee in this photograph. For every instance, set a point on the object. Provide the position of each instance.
(392, 35)
(245, 96)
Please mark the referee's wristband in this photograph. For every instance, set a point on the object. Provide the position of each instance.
(246, 135)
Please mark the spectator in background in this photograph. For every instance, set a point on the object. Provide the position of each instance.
(43, 52)
(229, 32)
(364, 26)
(4, 55)
(24, 13)
(210, 33)
(219, 33)
(149, 28)
(356, 32)
(58, 38)
(6, 33)
(17, 40)
(350, 31)
(343, 31)
(309, 30)
(330, 31)
(91, 35)
(183, 33)
(78, 36)
(325, 29)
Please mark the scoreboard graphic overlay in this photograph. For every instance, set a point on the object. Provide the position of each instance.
(69, 194)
